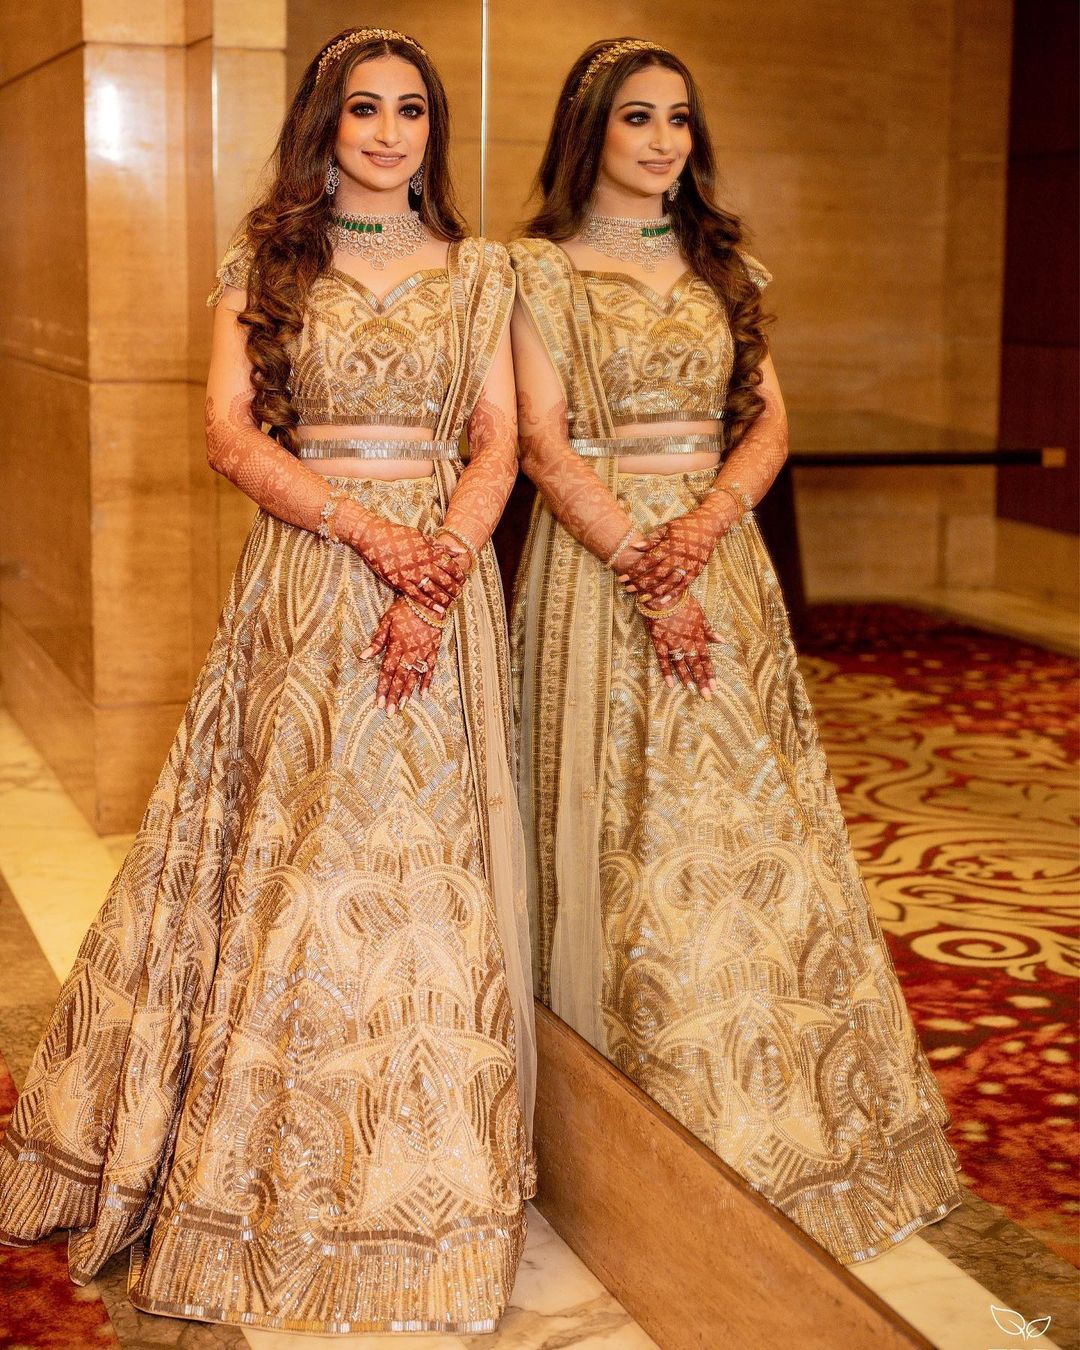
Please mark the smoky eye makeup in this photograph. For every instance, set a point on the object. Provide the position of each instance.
(367, 107)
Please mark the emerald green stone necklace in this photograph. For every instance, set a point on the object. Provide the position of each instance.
(630, 239)
(377, 239)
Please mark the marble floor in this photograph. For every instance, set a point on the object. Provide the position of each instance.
(945, 1283)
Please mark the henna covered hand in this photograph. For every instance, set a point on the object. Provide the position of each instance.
(681, 643)
(677, 551)
(680, 548)
(409, 561)
(410, 647)
(477, 500)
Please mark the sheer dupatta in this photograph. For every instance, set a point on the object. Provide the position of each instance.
(561, 644)
(482, 296)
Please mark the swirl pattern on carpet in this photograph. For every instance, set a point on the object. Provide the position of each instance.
(954, 752)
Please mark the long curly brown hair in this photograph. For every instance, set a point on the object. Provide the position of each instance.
(287, 229)
(708, 235)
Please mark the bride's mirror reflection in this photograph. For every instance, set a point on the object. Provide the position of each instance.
(767, 970)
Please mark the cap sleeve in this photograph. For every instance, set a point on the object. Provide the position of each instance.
(234, 268)
(759, 274)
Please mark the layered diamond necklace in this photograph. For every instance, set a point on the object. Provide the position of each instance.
(377, 239)
(631, 239)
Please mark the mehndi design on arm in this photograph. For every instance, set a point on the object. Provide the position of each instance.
(680, 549)
(579, 501)
(266, 472)
(482, 491)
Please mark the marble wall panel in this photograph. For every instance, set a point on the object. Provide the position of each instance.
(134, 21)
(136, 212)
(141, 556)
(45, 514)
(56, 715)
(249, 105)
(199, 210)
(131, 742)
(43, 302)
(254, 24)
(30, 35)
(198, 20)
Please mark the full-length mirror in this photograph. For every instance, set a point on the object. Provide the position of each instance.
(704, 915)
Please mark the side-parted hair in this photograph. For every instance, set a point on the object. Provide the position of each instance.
(708, 235)
(287, 228)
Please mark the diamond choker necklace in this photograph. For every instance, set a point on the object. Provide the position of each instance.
(644, 242)
(377, 239)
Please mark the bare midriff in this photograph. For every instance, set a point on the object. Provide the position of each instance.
(678, 462)
(358, 466)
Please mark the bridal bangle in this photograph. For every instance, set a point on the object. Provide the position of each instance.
(722, 487)
(654, 612)
(469, 546)
(422, 614)
(620, 546)
(326, 515)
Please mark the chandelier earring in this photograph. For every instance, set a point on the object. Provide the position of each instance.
(416, 182)
(333, 178)
(673, 190)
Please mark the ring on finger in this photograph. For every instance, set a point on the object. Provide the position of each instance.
(421, 666)
(678, 655)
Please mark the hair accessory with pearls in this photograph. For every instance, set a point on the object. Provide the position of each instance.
(609, 56)
(355, 38)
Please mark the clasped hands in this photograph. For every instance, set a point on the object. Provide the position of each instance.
(656, 569)
(428, 572)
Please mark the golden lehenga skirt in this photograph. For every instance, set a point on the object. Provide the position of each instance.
(283, 1065)
(745, 982)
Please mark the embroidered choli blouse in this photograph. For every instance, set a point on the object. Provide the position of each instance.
(660, 358)
(359, 360)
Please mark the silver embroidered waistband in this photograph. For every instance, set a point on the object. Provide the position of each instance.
(344, 447)
(600, 447)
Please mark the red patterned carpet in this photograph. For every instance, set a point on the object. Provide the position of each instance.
(41, 1309)
(955, 756)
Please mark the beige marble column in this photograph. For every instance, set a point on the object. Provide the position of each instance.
(110, 137)
(236, 98)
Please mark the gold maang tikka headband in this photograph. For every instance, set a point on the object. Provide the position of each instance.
(354, 39)
(608, 56)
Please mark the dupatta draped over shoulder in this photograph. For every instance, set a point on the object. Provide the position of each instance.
(563, 681)
(482, 293)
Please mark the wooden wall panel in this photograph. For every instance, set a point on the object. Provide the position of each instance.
(691, 1250)
(1040, 324)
